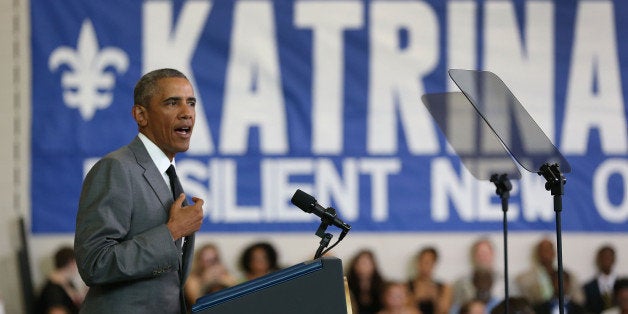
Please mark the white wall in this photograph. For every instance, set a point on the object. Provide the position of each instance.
(14, 159)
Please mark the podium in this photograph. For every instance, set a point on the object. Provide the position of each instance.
(311, 287)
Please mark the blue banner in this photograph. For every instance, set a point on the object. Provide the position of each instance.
(325, 96)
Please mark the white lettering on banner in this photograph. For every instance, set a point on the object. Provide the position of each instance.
(536, 201)
(607, 210)
(167, 45)
(330, 184)
(196, 172)
(594, 96)
(487, 208)
(253, 95)
(216, 183)
(462, 37)
(328, 20)
(475, 200)
(521, 57)
(276, 173)
(231, 210)
(448, 186)
(403, 50)
(379, 170)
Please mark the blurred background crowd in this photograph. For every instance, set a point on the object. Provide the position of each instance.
(481, 290)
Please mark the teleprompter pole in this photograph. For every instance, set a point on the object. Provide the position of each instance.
(556, 185)
(503, 187)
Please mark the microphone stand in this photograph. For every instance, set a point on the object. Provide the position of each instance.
(504, 186)
(555, 184)
(321, 232)
(325, 237)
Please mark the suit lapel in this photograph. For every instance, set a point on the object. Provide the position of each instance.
(158, 185)
(151, 174)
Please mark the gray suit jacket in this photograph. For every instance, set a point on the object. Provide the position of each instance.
(123, 248)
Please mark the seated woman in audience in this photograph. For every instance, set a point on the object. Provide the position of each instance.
(60, 294)
(258, 259)
(365, 282)
(396, 299)
(208, 274)
(430, 296)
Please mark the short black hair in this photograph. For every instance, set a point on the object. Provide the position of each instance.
(603, 249)
(620, 284)
(63, 257)
(429, 249)
(146, 86)
(247, 255)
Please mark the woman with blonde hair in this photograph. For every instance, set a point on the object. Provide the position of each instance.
(208, 274)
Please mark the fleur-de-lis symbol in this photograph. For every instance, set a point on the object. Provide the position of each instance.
(87, 84)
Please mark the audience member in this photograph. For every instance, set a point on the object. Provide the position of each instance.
(482, 255)
(396, 299)
(473, 306)
(208, 274)
(516, 305)
(482, 282)
(430, 296)
(60, 294)
(535, 284)
(620, 294)
(551, 306)
(365, 282)
(598, 291)
(258, 259)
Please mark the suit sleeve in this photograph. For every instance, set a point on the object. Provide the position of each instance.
(106, 250)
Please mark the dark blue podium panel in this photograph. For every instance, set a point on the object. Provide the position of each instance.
(312, 287)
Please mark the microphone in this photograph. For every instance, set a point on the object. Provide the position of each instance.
(309, 205)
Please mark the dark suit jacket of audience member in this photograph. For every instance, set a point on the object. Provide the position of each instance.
(570, 307)
(593, 296)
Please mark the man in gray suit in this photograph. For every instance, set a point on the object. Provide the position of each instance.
(129, 226)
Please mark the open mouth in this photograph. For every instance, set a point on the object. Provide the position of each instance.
(183, 130)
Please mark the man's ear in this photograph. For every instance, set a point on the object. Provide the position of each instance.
(139, 114)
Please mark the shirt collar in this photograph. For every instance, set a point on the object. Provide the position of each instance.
(605, 282)
(156, 154)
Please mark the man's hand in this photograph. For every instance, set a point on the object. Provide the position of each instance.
(184, 221)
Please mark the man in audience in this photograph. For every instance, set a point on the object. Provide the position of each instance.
(482, 281)
(599, 290)
(482, 256)
(552, 305)
(535, 284)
